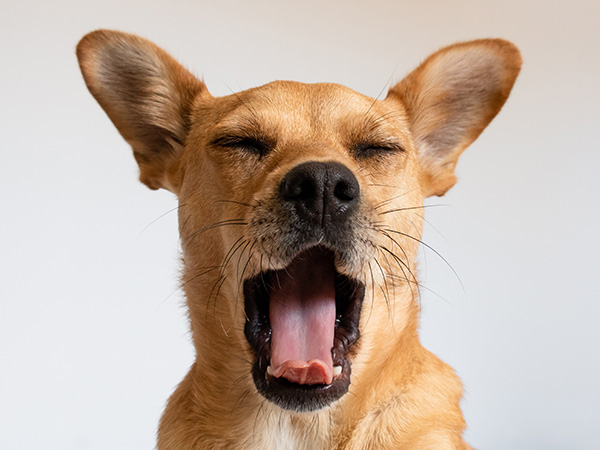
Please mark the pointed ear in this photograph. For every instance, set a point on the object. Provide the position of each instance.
(450, 98)
(147, 95)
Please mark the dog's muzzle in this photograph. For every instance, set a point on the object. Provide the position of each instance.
(302, 320)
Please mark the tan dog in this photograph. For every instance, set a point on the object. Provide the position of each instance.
(300, 218)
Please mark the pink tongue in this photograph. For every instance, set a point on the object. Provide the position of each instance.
(302, 314)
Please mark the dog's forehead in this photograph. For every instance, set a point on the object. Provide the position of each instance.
(292, 108)
(307, 97)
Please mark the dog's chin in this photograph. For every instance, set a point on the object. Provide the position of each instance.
(302, 324)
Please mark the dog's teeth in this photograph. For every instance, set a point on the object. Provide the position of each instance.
(269, 371)
(337, 371)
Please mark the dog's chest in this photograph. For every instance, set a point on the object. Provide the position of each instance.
(284, 436)
(285, 440)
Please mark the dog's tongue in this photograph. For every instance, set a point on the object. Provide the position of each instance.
(302, 314)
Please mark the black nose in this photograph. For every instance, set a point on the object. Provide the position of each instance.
(321, 193)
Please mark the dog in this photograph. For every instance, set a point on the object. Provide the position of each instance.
(300, 215)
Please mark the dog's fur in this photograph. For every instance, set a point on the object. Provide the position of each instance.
(401, 150)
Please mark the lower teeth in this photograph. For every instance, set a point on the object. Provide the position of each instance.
(337, 371)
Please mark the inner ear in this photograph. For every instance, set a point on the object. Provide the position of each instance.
(146, 94)
(450, 99)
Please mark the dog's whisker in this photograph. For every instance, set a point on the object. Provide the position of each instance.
(182, 285)
(393, 284)
(268, 417)
(241, 278)
(236, 203)
(313, 424)
(389, 200)
(394, 112)
(238, 380)
(372, 293)
(384, 288)
(409, 208)
(237, 273)
(280, 421)
(241, 358)
(239, 400)
(222, 223)
(391, 304)
(384, 86)
(430, 225)
(391, 114)
(184, 225)
(160, 217)
(394, 241)
(226, 260)
(420, 286)
(402, 266)
(241, 100)
(260, 408)
(239, 260)
(383, 185)
(434, 251)
(220, 280)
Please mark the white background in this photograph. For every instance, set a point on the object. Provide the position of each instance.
(92, 337)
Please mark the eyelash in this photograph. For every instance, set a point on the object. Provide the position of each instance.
(251, 145)
(260, 148)
(367, 149)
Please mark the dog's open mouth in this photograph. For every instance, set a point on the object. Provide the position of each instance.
(302, 322)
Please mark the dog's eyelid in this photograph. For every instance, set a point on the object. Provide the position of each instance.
(254, 144)
(367, 148)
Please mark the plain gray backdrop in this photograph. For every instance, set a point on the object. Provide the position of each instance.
(93, 335)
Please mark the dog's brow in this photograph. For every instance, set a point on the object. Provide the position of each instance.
(240, 125)
(375, 130)
(243, 132)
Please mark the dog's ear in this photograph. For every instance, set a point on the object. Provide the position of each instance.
(147, 95)
(450, 98)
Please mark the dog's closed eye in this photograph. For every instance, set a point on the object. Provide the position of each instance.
(367, 149)
(252, 144)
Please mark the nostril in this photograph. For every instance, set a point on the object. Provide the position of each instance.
(298, 189)
(305, 190)
(345, 192)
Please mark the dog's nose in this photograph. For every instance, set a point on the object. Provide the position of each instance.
(322, 193)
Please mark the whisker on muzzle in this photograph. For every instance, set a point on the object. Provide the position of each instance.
(203, 271)
(223, 277)
(235, 202)
(389, 230)
(222, 223)
(408, 208)
(160, 217)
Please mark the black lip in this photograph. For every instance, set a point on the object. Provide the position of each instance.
(349, 298)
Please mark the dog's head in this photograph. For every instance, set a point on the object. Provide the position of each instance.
(300, 205)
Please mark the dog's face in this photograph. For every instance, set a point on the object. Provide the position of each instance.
(300, 205)
(302, 180)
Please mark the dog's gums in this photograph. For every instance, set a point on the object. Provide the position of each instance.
(300, 218)
(302, 322)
